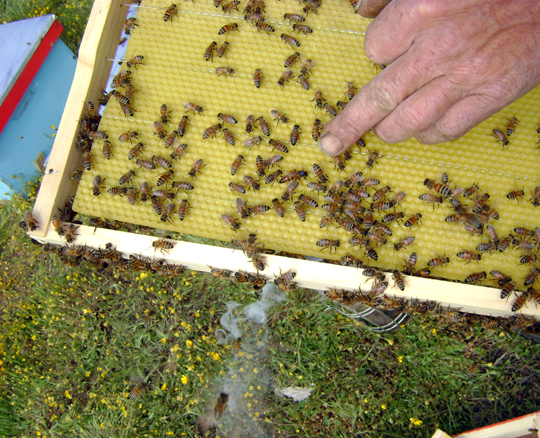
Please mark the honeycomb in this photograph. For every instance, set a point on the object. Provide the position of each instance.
(174, 71)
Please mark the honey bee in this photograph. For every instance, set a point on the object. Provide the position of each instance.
(191, 107)
(57, 224)
(134, 151)
(290, 60)
(391, 217)
(261, 165)
(534, 295)
(317, 187)
(413, 220)
(527, 258)
(138, 390)
(242, 208)
(257, 81)
(265, 127)
(163, 194)
(486, 247)
(531, 277)
(144, 191)
(222, 49)
(159, 131)
(98, 135)
(209, 52)
(291, 41)
(167, 211)
(285, 281)
(399, 280)
(319, 99)
(107, 150)
(228, 7)
(165, 114)
(229, 137)
(146, 164)
(328, 243)
(182, 126)
(499, 135)
(520, 301)
(430, 198)
(163, 245)
(160, 161)
(170, 12)
(341, 105)
(211, 131)
(310, 202)
(230, 221)
(236, 164)
(403, 242)
(156, 205)
(289, 191)
(252, 183)
(182, 209)
(117, 191)
(505, 243)
(127, 136)
(238, 188)
(522, 244)
(182, 185)
(294, 17)
(535, 200)
(278, 207)
(28, 222)
(265, 27)
(469, 255)
(371, 253)
(516, 194)
(259, 209)
(475, 277)
(87, 161)
(178, 150)
(372, 159)
(410, 263)
(303, 81)
(302, 28)
(195, 168)
(440, 188)
(285, 77)
(330, 110)
(220, 273)
(319, 173)
(69, 233)
(250, 121)
(425, 272)
(469, 191)
(511, 126)
(126, 177)
(165, 177)
(306, 67)
(339, 162)
(507, 289)
(76, 175)
(136, 60)
(96, 185)
(381, 193)
(351, 90)
(228, 28)
(300, 211)
(438, 261)
(316, 130)
(524, 231)
(224, 71)
(279, 116)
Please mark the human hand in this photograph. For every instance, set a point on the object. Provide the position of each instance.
(450, 65)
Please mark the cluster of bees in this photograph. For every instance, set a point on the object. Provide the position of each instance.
(254, 14)
(360, 204)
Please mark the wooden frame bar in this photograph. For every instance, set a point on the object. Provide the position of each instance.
(99, 43)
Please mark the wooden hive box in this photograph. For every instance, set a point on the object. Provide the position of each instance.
(99, 47)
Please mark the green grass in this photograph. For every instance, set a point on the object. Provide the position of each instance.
(75, 341)
(73, 14)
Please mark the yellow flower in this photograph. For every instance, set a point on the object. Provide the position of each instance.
(434, 331)
(416, 421)
(189, 343)
(143, 275)
(163, 340)
(383, 406)
(164, 387)
(400, 359)
(215, 356)
(67, 394)
(183, 379)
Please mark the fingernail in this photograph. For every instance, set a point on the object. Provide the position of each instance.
(330, 144)
(357, 6)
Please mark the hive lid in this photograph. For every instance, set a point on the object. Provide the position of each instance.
(18, 42)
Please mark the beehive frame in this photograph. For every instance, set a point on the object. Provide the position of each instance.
(99, 44)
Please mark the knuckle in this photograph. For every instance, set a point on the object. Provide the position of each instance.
(382, 97)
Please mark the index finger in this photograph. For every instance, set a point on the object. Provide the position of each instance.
(374, 102)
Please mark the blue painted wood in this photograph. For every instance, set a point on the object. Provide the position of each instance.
(29, 131)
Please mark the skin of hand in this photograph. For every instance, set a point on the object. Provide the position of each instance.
(450, 65)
